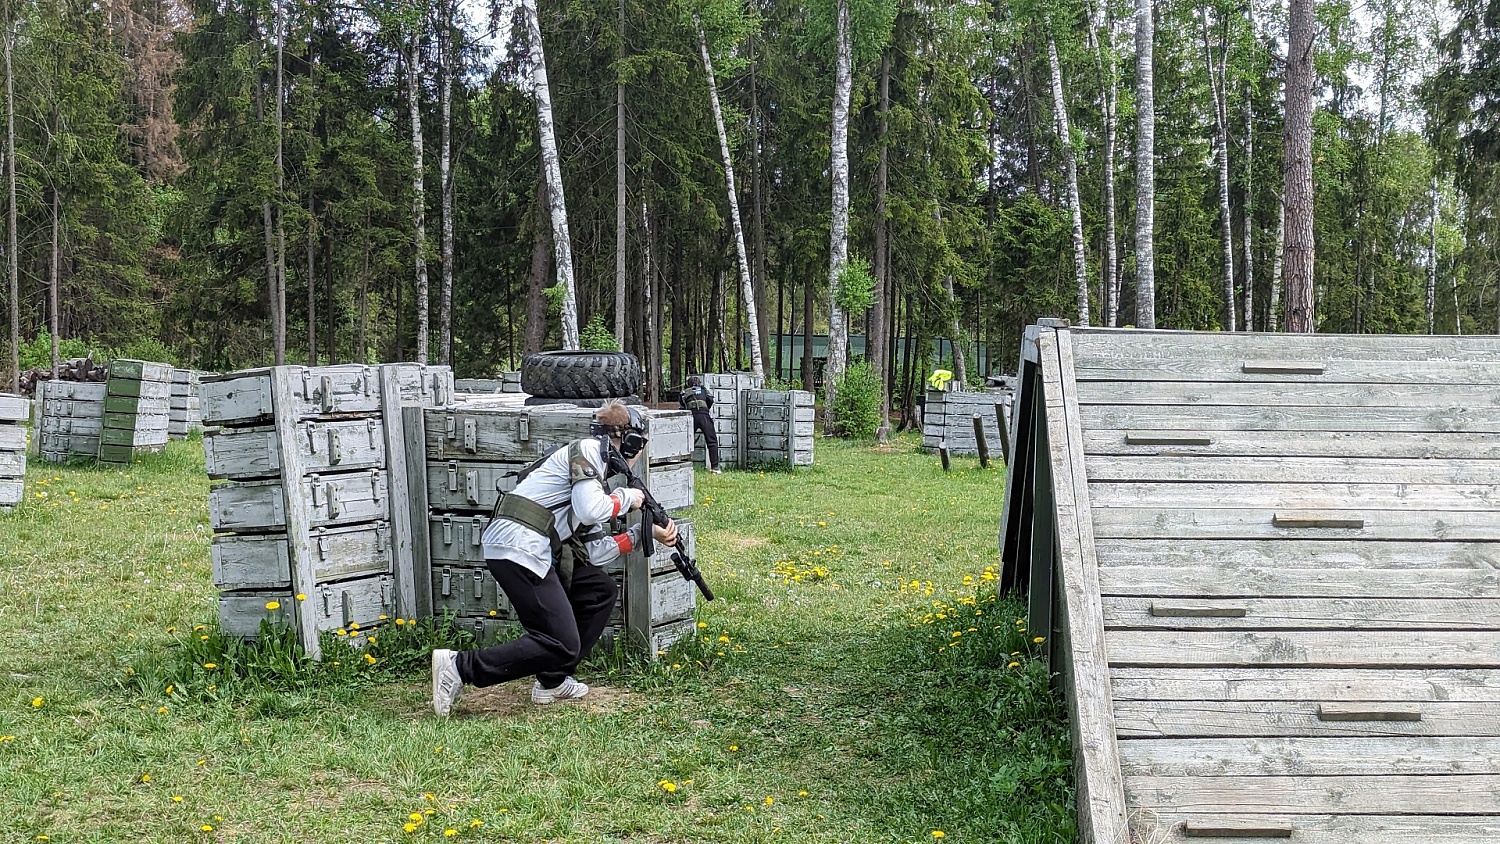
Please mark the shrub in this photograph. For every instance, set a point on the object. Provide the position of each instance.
(37, 354)
(857, 402)
(596, 338)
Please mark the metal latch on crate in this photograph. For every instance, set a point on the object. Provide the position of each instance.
(450, 426)
(372, 427)
(327, 593)
(322, 543)
(471, 486)
(478, 585)
(347, 600)
(385, 592)
(471, 435)
(476, 533)
(375, 485)
(523, 429)
(453, 476)
(447, 588)
(369, 381)
(447, 530)
(335, 451)
(382, 530)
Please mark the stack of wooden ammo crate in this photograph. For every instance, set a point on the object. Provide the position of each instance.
(69, 419)
(508, 382)
(314, 515)
(13, 410)
(728, 390)
(473, 450)
(948, 418)
(137, 405)
(186, 408)
(778, 427)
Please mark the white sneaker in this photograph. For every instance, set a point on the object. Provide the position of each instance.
(717, 471)
(447, 686)
(570, 689)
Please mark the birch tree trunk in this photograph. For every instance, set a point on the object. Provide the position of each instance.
(1070, 166)
(838, 327)
(747, 290)
(562, 242)
(1273, 307)
(875, 343)
(1110, 283)
(1301, 29)
(1432, 267)
(1145, 169)
(418, 192)
(312, 286)
(362, 343)
(12, 257)
(650, 347)
(1217, 84)
(620, 191)
(960, 369)
(1249, 209)
(445, 178)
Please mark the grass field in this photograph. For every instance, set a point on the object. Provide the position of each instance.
(856, 681)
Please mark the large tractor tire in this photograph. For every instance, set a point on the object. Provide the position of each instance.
(538, 401)
(580, 375)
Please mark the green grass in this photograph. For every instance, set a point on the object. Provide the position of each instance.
(839, 707)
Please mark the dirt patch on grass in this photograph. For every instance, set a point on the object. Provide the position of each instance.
(738, 541)
(510, 700)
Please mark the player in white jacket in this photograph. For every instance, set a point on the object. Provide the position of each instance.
(545, 548)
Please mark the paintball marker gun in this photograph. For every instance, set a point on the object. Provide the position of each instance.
(655, 514)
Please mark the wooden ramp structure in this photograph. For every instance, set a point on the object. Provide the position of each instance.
(1268, 568)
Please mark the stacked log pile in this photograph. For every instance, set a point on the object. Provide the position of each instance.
(137, 405)
(70, 417)
(76, 369)
(473, 452)
(311, 526)
(13, 410)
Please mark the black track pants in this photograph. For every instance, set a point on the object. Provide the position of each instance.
(561, 626)
(705, 425)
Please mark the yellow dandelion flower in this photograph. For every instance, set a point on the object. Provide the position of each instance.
(801, 794)
(449, 832)
(207, 828)
(409, 826)
(1039, 639)
(668, 786)
(210, 665)
(4, 739)
(493, 613)
(416, 816)
(770, 800)
(301, 596)
(384, 617)
(273, 605)
(36, 703)
(177, 798)
(169, 689)
(430, 812)
(938, 833)
(702, 624)
(171, 630)
(145, 777)
(476, 823)
(370, 659)
(733, 747)
(161, 710)
(723, 638)
(354, 626)
(1014, 665)
(400, 621)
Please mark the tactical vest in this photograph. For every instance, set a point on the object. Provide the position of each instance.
(696, 398)
(529, 514)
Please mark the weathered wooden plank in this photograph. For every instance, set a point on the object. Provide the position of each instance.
(432, 386)
(323, 446)
(1101, 800)
(14, 408)
(78, 408)
(456, 538)
(1276, 756)
(140, 370)
(502, 433)
(1254, 582)
(1462, 794)
(1257, 523)
(1297, 554)
(256, 506)
(244, 397)
(1369, 711)
(71, 390)
(1160, 825)
(1237, 347)
(1397, 613)
(80, 426)
(133, 421)
(1415, 417)
(411, 422)
(185, 403)
(12, 464)
(1247, 684)
(1312, 393)
(671, 433)
(468, 590)
(156, 392)
(12, 491)
(12, 438)
(1311, 648)
(152, 436)
(1377, 491)
(70, 444)
(1293, 718)
(1286, 470)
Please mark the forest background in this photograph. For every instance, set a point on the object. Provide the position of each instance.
(230, 183)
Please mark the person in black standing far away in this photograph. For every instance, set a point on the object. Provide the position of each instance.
(699, 400)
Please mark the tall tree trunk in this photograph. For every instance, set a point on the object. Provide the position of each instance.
(1070, 166)
(680, 345)
(960, 367)
(650, 344)
(1301, 30)
(268, 227)
(747, 290)
(620, 190)
(1145, 168)
(562, 242)
(445, 178)
(838, 323)
(1432, 260)
(1273, 307)
(281, 297)
(1105, 55)
(875, 338)
(541, 273)
(362, 343)
(12, 256)
(809, 383)
(1249, 208)
(54, 279)
(762, 325)
(312, 281)
(418, 192)
(1219, 88)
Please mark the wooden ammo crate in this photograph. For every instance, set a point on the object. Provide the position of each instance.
(948, 417)
(13, 410)
(263, 561)
(366, 602)
(136, 409)
(779, 427)
(322, 446)
(186, 407)
(69, 420)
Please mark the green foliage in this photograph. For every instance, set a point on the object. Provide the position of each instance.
(856, 287)
(857, 401)
(37, 353)
(555, 296)
(597, 337)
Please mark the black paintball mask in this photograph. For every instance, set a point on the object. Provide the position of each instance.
(632, 434)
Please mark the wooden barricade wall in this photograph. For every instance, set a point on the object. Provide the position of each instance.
(1268, 565)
